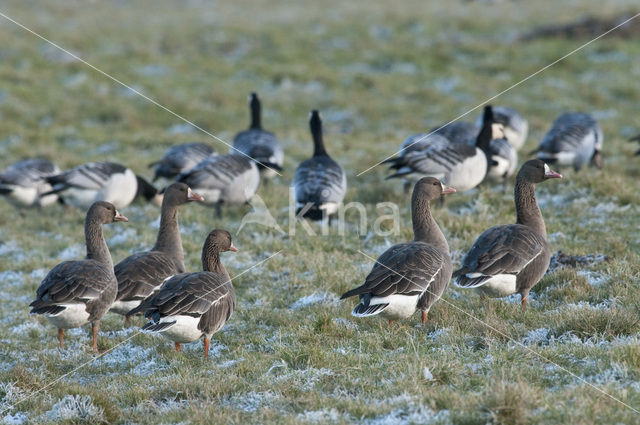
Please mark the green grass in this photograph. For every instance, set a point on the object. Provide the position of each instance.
(378, 73)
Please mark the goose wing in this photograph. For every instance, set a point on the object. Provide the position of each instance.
(216, 172)
(92, 175)
(319, 180)
(139, 275)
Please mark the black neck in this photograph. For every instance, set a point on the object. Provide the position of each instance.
(316, 132)
(528, 213)
(254, 105)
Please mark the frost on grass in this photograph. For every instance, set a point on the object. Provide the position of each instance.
(123, 237)
(304, 379)
(11, 394)
(17, 418)
(72, 252)
(538, 336)
(316, 298)
(140, 361)
(407, 410)
(11, 250)
(340, 321)
(76, 407)
(321, 416)
(11, 278)
(252, 401)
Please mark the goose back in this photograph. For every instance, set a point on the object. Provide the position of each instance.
(179, 159)
(24, 182)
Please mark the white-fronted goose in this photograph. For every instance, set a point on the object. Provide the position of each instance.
(180, 158)
(24, 183)
(228, 179)
(516, 128)
(413, 275)
(319, 182)
(190, 306)
(100, 181)
(574, 139)
(457, 164)
(140, 274)
(75, 293)
(512, 258)
(258, 143)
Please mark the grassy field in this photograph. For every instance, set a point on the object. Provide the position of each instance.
(292, 353)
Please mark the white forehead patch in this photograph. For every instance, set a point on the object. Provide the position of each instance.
(442, 186)
(546, 169)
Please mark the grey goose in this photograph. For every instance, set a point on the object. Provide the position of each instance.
(457, 164)
(512, 258)
(575, 138)
(190, 306)
(223, 179)
(258, 143)
(180, 158)
(100, 181)
(516, 128)
(413, 275)
(24, 183)
(458, 132)
(319, 182)
(78, 292)
(141, 274)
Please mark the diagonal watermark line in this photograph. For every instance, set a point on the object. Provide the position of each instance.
(114, 79)
(55, 381)
(546, 359)
(577, 49)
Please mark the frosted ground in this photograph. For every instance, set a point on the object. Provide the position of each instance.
(292, 353)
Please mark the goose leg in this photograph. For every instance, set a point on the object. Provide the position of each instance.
(218, 210)
(390, 322)
(61, 337)
(127, 321)
(523, 301)
(178, 346)
(406, 187)
(424, 317)
(207, 341)
(94, 334)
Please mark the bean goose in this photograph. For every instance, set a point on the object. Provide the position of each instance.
(512, 258)
(636, 139)
(100, 181)
(190, 306)
(259, 144)
(179, 159)
(574, 139)
(516, 128)
(141, 274)
(319, 182)
(229, 179)
(413, 275)
(456, 164)
(75, 293)
(24, 183)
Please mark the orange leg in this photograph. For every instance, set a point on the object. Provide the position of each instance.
(94, 333)
(178, 346)
(127, 321)
(424, 317)
(390, 322)
(61, 337)
(206, 347)
(523, 301)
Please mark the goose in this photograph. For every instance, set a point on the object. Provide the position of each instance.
(140, 274)
(503, 157)
(516, 128)
(458, 132)
(319, 182)
(78, 292)
(24, 183)
(574, 139)
(409, 276)
(636, 139)
(194, 305)
(512, 258)
(457, 164)
(180, 158)
(259, 144)
(229, 179)
(100, 181)
(419, 142)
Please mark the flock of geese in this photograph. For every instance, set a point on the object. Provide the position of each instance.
(408, 277)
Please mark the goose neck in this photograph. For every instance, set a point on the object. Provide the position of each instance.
(527, 210)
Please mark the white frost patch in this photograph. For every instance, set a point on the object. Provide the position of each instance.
(123, 237)
(411, 415)
(72, 252)
(593, 278)
(155, 224)
(538, 336)
(438, 333)
(252, 401)
(139, 360)
(25, 327)
(604, 305)
(230, 363)
(426, 374)
(181, 129)
(616, 373)
(38, 274)
(17, 418)
(304, 379)
(11, 394)
(321, 416)
(13, 251)
(76, 407)
(340, 321)
(11, 278)
(316, 298)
